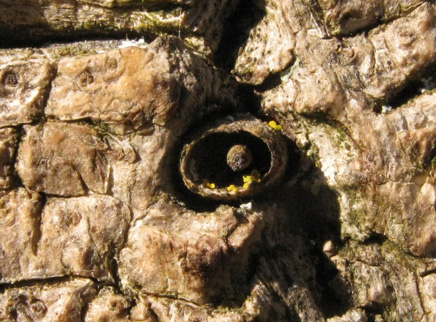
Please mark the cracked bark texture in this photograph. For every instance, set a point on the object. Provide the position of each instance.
(96, 224)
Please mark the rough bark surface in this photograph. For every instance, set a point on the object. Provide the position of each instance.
(96, 223)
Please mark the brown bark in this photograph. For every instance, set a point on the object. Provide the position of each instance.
(96, 221)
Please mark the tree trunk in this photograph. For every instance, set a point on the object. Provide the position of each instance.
(263, 160)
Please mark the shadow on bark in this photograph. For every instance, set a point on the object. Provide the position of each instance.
(237, 27)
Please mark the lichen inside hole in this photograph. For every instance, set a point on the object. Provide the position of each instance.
(208, 159)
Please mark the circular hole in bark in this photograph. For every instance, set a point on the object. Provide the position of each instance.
(233, 158)
(38, 308)
(85, 79)
(209, 159)
(111, 63)
(10, 79)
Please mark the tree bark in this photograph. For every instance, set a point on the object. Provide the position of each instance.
(330, 218)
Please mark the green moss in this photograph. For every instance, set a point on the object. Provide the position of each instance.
(159, 21)
(67, 51)
(313, 154)
(102, 128)
(222, 309)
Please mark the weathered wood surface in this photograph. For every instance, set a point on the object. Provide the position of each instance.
(95, 222)
(199, 22)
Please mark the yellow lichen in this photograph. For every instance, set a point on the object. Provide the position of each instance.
(232, 188)
(274, 125)
(208, 184)
(253, 177)
(249, 179)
